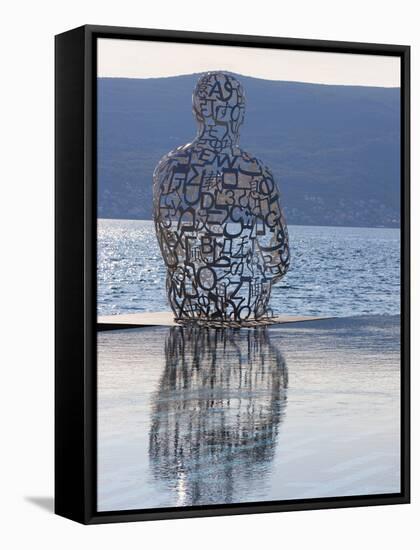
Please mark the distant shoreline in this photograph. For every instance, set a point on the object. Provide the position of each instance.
(398, 227)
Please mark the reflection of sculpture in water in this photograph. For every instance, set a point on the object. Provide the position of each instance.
(216, 414)
(218, 219)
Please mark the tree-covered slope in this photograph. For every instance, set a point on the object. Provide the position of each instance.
(334, 150)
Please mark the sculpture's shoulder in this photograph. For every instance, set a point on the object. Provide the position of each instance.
(180, 155)
(254, 166)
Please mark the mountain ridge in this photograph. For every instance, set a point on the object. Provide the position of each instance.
(333, 149)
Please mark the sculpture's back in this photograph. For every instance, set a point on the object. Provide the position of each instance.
(218, 220)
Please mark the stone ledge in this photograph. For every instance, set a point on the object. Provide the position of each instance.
(166, 319)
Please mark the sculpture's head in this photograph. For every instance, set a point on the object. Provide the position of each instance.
(219, 105)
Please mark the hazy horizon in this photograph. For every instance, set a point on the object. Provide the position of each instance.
(122, 58)
(249, 76)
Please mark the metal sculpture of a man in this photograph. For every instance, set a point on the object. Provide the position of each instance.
(220, 227)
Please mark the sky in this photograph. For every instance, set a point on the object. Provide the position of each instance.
(145, 59)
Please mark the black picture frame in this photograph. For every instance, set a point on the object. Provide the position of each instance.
(75, 272)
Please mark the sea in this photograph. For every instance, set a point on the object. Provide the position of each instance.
(334, 271)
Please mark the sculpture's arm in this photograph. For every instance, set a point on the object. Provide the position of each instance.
(173, 216)
(167, 187)
(272, 235)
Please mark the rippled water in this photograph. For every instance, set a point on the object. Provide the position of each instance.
(337, 271)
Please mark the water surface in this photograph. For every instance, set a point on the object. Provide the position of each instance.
(335, 271)
(206, 416)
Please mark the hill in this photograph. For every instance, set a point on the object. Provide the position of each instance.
(334, 150)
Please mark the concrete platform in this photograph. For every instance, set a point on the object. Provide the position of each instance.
(166, 319)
